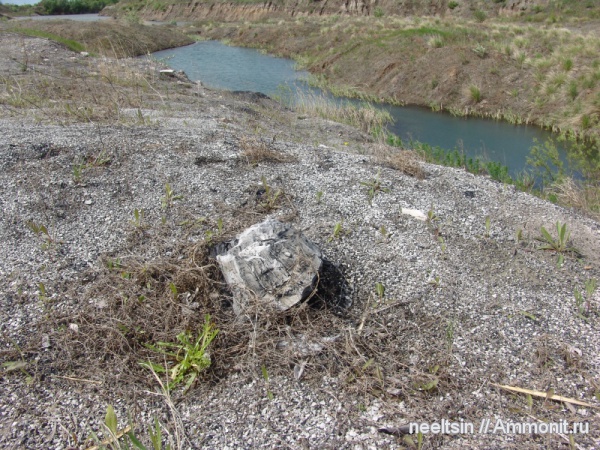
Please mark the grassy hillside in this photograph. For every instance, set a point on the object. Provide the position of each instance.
(480, 10)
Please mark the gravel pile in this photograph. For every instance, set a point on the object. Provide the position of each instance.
(466, 304)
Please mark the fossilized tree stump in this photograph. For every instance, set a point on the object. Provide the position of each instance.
(270, 264)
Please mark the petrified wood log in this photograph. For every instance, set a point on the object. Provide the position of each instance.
(270, 264)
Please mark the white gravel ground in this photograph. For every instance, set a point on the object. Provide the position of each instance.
(512, 309)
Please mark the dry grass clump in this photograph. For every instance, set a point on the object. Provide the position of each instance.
(405, 161)
(584, 198)
(365, 116)
(76, 97)
(256, 150)
(435, 41)
(84, 89)
(135, 303)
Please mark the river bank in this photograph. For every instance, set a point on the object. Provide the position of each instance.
(523, 61)
(544, 75)
(114, 185)
(238, 68)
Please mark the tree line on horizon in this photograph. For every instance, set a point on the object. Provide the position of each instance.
(59, 7)
(74, 6)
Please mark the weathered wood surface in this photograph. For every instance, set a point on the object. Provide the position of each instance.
(272, 264)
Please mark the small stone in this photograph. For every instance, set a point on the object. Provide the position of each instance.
(167, 72)
(101, 304)
(420, 215)
(74, 327)
(88, 202)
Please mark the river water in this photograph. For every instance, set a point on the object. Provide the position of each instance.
(233, 68)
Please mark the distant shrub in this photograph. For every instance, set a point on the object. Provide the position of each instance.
(585, 122)
(452, 4)
(133, 18)
(159, 6)
(573, 91)
(435, 41)
(498, 172)
(378, 12)
(480, 51)
(475, 93)
(480, 15)
(74, 6)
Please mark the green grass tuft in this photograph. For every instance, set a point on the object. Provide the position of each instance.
(475, 93)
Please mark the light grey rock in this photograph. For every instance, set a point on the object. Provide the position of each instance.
(271, 264)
